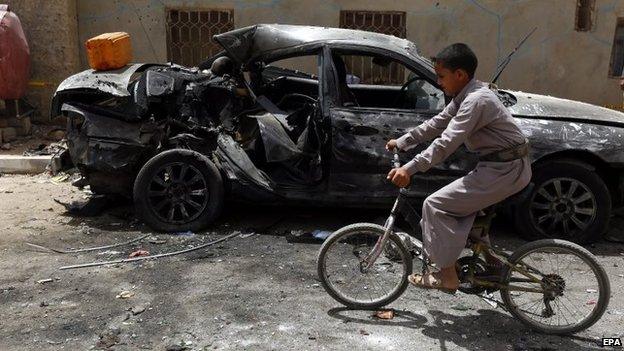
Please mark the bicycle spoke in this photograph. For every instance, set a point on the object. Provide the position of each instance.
(383, 278)
(566, 279)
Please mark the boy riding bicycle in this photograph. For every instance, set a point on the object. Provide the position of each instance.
(476, 118)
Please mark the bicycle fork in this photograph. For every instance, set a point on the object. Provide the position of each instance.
(372, 256)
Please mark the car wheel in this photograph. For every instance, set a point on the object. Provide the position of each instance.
(570, 201)
(178, 190)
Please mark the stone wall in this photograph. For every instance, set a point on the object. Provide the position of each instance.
(52, 32)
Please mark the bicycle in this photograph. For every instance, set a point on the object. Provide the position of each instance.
(381, 260)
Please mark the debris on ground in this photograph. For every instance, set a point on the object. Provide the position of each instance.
(108, 339)
(43, 281)
(321, 234)
(125, 295)
(364, 332)
(7, 289)
(43, 149)
(93, 206)
(168, 254)
(384, 314)
(90, 248)
(156, 240)
(60, 178)
(187, 233)
(138, 309)
(56, 134)
(246, 235)
(301, 236)
(461, 307)
(138, 253)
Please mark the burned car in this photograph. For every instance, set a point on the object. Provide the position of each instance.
(300, 115)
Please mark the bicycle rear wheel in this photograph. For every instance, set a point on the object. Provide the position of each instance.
(576, 288)
(338, 267)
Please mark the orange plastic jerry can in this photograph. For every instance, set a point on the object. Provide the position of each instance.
(109, 51)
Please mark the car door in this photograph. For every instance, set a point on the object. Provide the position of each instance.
(359, 161)
(359, 132)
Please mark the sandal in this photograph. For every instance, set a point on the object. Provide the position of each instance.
(417, 280)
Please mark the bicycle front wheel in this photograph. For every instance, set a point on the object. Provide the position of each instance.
(339, 270)
(574, 288)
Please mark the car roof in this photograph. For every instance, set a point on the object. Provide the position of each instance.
(250, 43)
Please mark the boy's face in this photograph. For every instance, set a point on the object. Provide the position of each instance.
(451, 81)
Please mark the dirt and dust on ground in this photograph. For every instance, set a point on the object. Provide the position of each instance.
(41, 140)
(252, 292)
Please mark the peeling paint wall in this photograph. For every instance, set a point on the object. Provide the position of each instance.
(52, 32)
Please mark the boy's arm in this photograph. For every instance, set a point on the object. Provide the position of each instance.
(429, 129)
(458, 129)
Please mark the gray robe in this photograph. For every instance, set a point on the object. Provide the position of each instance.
(478, 119)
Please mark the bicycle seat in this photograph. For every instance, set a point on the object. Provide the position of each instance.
(485, 216)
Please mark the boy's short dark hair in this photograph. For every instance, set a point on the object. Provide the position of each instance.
(457, 56)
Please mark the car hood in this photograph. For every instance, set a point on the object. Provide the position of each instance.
(114, 82)
(542, 106)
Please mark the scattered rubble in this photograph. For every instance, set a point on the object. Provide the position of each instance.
(125, 295)
(138, 309)
(139, 253)
(301, 236)
(92, 206)
(384, 314)
(168, 254)
(90, 248)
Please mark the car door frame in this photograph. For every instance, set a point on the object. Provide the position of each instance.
(455, 166)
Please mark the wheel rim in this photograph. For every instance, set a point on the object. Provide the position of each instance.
(342, 273)
(562, 207)
(178, 193)
(571, 286)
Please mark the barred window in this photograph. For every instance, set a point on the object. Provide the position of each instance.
(617, 51)
(189, 34)
(385, 22)
(585, 15)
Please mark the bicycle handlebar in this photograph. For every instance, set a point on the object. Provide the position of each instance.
(396, 162)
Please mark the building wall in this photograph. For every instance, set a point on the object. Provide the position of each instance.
(557, 60)
(51, 29)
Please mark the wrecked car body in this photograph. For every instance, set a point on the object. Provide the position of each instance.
(274, 134)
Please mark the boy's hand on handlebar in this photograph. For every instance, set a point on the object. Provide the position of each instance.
(399, 177)
(391, 145)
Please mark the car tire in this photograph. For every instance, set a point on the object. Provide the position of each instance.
(568, 192)
(178, 190)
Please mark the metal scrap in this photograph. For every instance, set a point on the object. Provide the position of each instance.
(88, 249)
(168, 254)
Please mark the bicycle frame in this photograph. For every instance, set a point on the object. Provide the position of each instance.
(403, 207)
(479, 248)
